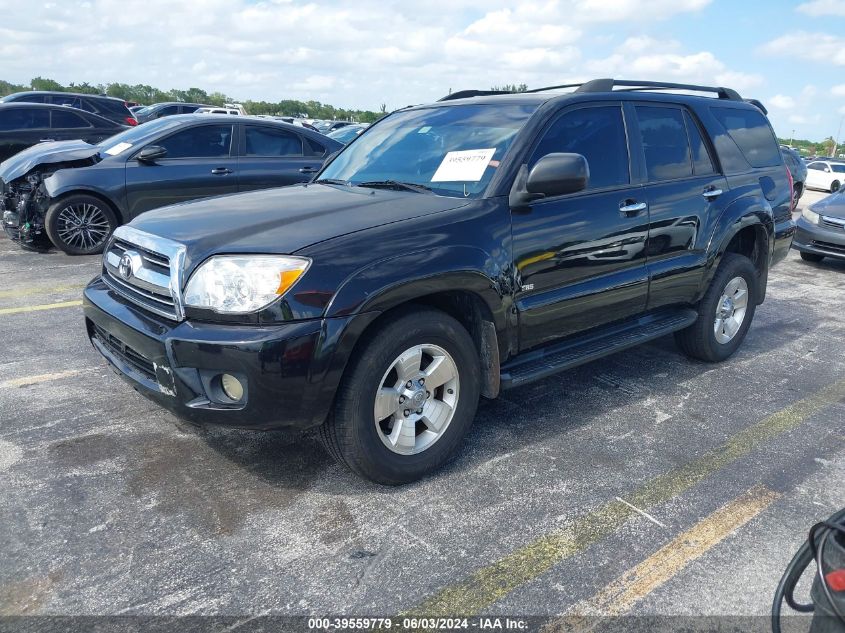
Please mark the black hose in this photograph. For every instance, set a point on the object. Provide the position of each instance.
(812, 549)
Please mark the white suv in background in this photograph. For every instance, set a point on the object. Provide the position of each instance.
(825, 175)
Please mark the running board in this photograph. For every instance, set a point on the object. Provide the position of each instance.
(544, 362)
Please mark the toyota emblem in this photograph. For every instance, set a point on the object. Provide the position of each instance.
(124, 267)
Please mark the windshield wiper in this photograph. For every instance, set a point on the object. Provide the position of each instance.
(332, 181)
(396, 184)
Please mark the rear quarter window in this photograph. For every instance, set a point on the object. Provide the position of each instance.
(751, 132)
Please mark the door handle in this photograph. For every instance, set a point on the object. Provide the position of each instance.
(632, 208)
(221, 171)
(712, 193)
(309, 170)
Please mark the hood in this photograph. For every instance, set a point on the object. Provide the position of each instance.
(284, 220)
(44, 154)
(832, 206)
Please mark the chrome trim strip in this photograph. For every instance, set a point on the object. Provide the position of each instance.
(836, 221)
(110, 282)
(141, 292)
(174, 251)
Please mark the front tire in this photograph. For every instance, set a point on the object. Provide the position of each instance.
(407, 399)
(834, 186)
(812, 257)
(725, 312)
(80, 224)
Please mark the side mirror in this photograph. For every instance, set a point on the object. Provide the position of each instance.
(558, 174)
(553, 175)
(151, 153)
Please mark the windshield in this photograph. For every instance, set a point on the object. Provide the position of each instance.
(145, 110)
(121, 142)
(346, 133)
(453, 150)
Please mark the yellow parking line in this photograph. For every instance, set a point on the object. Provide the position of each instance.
(492, 583)
(38, 290)
(43, 306)
(622, 594)
(34, 380)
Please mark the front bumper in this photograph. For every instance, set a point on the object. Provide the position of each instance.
(819, 240)
(175, 364)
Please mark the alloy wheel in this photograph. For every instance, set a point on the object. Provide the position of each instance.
(731, 309)
(83, 226)
(416, 399)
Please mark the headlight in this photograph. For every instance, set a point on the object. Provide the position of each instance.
(237, 284)
(810, 216)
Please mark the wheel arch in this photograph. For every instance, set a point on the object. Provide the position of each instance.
(455, 283)
(58, 196)
(747, 228)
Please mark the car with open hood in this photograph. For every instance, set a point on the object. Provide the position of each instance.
(452, 251)
(74, 194)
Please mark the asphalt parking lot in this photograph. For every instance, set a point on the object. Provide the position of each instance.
(645, 483)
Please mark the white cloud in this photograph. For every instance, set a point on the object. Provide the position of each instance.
(818, 8)
(782, 102)
(820, 47)
(633, 10)
(353, 55)
(839, 90)
(644, 58)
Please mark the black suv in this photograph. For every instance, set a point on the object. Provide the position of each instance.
(110, 108)
(453, 250)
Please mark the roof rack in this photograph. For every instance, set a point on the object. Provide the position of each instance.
(465, 94)
(607, 85)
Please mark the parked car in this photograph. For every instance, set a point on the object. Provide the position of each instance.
(821, 229)
(347, 133)
(826, 175)
(290, 119)
(325, 127)
(74, 194)
(159, 110)
(216, 110)
(798, 169)
(23, 125)
(454, 250)
(107, 107)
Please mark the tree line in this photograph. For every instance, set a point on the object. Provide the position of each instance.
(144, 94)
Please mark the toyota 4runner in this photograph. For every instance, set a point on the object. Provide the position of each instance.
(449, 252)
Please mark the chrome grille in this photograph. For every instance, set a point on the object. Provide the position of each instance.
(152, 278)
(832, 223)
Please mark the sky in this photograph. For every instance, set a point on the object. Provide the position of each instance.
(362, 54)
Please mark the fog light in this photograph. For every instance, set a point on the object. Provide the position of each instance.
(232, 387)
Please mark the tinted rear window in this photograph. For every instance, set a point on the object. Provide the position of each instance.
(24, 119)
(664, 138)
(752, 134)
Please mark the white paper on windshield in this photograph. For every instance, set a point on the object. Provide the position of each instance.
(114, 150)
(464, 166)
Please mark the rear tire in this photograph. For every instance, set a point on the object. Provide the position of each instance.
(812, 257)
(796, 196)
(368, 430)
(80, 224)
(721, 327)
